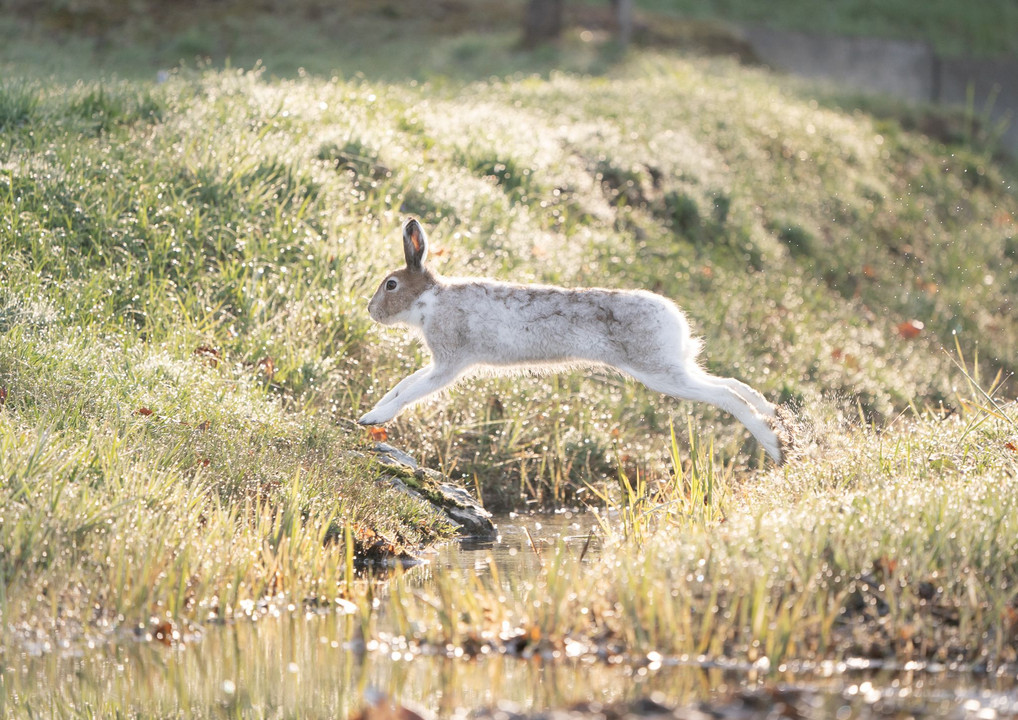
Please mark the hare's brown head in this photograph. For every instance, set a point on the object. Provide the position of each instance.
(399, 290)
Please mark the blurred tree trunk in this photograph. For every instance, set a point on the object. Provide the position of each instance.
(623, 12)
(543, 22)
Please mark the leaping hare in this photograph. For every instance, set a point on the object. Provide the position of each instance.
(467, 323)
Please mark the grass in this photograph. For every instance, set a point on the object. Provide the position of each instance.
(184, 343)
(895, 546)
(143, 485)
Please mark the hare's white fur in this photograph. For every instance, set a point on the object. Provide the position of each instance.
(481, 323)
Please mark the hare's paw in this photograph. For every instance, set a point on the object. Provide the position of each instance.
(773, 446)
(376, 416)
(787, 431)
(372, 419)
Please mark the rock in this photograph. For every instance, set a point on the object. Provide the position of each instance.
(431, 486)
(389, 455)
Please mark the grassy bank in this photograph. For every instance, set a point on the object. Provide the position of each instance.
(238, 223)
(894, 546)
(184, 340)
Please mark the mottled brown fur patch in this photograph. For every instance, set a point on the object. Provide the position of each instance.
(387, 306)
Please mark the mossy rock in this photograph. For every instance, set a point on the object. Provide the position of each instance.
(404, 474)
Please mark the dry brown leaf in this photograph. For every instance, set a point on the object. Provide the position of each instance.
(267, 367)
(163, 632)
(383, 709)
(910, 329)
(209, 354)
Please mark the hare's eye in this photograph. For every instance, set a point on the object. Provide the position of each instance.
(391, 284)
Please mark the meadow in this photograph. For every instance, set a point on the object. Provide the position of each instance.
(185, 263)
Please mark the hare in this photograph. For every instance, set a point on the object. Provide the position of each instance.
(476, 322)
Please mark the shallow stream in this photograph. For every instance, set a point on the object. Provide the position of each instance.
(294, 665)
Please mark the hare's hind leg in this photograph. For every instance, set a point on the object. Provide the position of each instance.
(754, 398)
(429, 379)
(701, 387)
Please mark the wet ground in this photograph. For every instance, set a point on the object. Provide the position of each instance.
(290, 664)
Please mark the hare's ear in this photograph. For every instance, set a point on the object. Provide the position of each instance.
(415, 244)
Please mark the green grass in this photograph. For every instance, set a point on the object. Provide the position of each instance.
(184, 341)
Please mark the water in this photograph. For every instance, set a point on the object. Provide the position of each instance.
(317, 665)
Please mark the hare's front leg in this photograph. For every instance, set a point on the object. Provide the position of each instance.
(402, 384)
(409, 390)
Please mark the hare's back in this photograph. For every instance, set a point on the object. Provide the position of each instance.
(522, 324)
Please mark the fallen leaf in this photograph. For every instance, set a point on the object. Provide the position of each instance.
(363, 532)
(3, 396)
(868, 271)
(1011, 446)
(383, 709)
(163, 632)
(1003, 218)
(144, 411)
(847, 359)
(209, 354)
(1010, 618)
(885, 564)
(524, 639)
(910, 328)
(906, 632)
(378, 434)
(267, 366)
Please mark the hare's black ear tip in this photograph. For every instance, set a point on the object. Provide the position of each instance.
(411, 223)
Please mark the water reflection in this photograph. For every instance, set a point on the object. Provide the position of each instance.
(523, 542)
(318, 666)
(308, 666)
